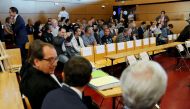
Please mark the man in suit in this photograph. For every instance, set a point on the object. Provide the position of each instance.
(141, 30)
(143, 84)
(77, 74)
(163, 19)
(19, 31)
(38, 78)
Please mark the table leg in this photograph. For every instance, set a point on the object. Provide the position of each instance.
(112, 69)
(113, 102)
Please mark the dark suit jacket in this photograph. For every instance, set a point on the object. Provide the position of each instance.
(35, 85)
(185, 34)
(63, 98)
(20, 31)
(140, 33)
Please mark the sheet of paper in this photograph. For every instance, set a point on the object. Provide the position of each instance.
(121, 46)
(169, 37)
(174, 36)
(130, 44)
(146, 41)
(87, 51)
(152, 40)
(111, 47)
(138, 43)
(100, 49)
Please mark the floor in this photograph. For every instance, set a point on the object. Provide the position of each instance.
(177, 95)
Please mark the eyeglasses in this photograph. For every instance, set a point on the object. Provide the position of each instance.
(51, 60)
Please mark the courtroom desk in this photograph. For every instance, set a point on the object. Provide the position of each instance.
(112, 92)
(148, 49)
(10, 96)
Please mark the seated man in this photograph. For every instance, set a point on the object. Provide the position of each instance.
(59, 44)
(70, 95)
(77, 41)
(141, 30)
(88, 37)
(126, 35)
(39, 77)
(143, 88)
(107, 38)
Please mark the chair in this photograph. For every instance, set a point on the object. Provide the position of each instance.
(26, 102)
(110, 49)
(187, 45)
(138, 44)
(99, 56)
(30, 40)
(88, 53)
(130, 45)
(144, 56)
(14, 60)
(146, 42)
(183, 56)
(121, 48)
(170, 38)
(3, 56)
(131, 60)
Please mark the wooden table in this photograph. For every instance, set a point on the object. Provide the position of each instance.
(113, 93)
(135, 52)
(10, 96)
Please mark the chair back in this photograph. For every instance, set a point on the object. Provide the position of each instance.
(180, 48)
(30, 40)
(26, 102)
(187, 44)
(144, 56)
(131, 60)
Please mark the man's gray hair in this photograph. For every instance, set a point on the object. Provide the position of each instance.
(143, 84)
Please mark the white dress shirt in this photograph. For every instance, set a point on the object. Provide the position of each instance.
(63, 14)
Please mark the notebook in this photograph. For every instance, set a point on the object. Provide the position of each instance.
(98, 73)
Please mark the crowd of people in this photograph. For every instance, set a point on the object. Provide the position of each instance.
(61, 40)
(69, 37)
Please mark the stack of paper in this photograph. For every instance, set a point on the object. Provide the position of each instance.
(104, 82)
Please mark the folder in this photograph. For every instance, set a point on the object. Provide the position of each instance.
(103, 83)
